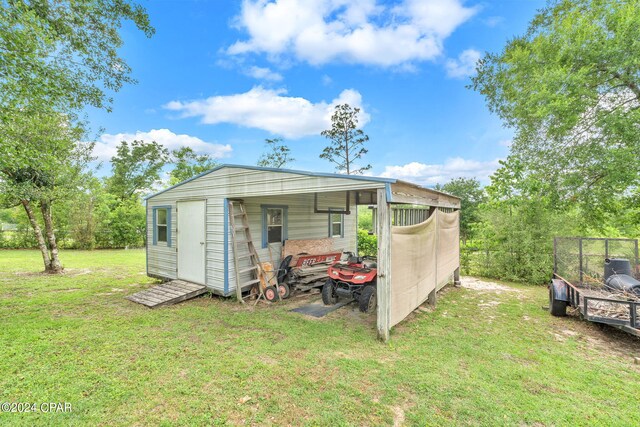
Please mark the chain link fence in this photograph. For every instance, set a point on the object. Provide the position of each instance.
(504, 264)
(580, 260)
(23, 238)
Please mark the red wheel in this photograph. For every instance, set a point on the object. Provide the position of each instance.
(284, 290)
(271, 294)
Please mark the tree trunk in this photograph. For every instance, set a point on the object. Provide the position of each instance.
(55, 266)
(38, 232)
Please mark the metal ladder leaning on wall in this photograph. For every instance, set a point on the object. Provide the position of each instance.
(254, 261)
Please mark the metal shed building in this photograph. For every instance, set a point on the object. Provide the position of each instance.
(189, 235)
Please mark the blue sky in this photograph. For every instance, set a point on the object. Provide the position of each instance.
(222, 76)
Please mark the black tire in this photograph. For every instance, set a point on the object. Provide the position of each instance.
(284, 269)
(368, 299)
(285, 291)
(556, 308)
(270, 294)
(329, 296)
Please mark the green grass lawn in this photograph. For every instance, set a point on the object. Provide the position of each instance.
(481, 358)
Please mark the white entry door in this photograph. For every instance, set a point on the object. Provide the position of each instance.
(191, 241)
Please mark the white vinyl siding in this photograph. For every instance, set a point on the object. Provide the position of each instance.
(161, 258)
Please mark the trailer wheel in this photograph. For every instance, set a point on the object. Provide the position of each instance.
(270, 294)
(368, 299)
(329, 296)
(284, 290)
(556, 307)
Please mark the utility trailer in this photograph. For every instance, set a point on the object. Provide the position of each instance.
(597, 277)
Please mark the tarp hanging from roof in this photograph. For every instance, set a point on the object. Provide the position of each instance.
(423, 257)
(448, 245)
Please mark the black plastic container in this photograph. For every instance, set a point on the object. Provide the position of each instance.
(616, 266)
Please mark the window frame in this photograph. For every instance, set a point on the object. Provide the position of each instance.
(336, 211)
(155, 210)
(285, 221)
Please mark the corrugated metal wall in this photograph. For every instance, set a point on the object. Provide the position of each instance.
(256, 188)
(302, 223)
(161, 259)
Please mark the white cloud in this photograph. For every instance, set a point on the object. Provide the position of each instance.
(107, 145)
(493, 21)
(262, 73)
(429, 175)
(352, 31)
(270, 110)
(465, 65)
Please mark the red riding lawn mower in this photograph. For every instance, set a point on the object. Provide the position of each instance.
(354, 279)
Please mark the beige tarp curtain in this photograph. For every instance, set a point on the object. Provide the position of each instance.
(423, 256)
(448, 245)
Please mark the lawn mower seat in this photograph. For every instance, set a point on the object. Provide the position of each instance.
(369, 263)
(354, 259)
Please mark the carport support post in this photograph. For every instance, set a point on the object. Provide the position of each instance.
(432, 298)
(384, 266)
(456, 272)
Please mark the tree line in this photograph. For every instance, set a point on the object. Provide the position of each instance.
(108, 212)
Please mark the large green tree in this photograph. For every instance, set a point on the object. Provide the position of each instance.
(42, 162)
(56, 57)
(136, 168)
(570, 88)
(517, 223)
(63, 53)
(472, 195)
(346, 141)
(187, 164)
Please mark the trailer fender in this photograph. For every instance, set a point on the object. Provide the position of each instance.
(559, 290)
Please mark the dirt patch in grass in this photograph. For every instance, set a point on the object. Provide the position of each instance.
(601, 337)
(398, 416)
(594, 336)
(30, 273)
(482, 285)
(77, 271)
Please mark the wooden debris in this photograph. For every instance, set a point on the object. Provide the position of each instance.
(306, 246)
(302, 276)
(605, 308)
(612, 309)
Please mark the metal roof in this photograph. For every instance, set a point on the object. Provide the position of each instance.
(265, 169)
(299, 172)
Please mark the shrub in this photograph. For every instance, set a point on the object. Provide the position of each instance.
(367, 244)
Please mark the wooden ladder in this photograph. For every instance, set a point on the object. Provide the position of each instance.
(255, 269)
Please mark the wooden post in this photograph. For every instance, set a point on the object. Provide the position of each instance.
(384, 266)
(432, 298)
(437, 270)
(456, 272)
